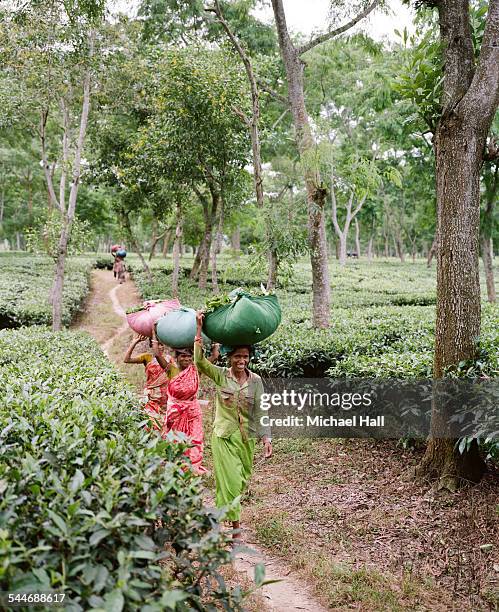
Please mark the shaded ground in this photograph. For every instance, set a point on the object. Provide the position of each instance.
(341, 512)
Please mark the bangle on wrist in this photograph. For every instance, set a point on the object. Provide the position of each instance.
(197, 339)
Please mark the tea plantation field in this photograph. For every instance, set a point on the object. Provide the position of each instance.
(90, 503)
(382, 319)
(25, 283)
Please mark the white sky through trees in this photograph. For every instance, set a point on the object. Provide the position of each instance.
(309, 16)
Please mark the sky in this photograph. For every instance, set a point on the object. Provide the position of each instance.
(308, 16)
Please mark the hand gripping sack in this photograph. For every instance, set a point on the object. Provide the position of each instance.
(142, 322)
(178, 328)
(246, 320)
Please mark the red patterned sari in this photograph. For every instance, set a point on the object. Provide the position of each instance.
(156, 389)
(183, 413)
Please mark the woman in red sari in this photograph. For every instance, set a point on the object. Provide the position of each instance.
(158, 371)
(183, 412)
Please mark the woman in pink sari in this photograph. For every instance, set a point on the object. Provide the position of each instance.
(183, 412)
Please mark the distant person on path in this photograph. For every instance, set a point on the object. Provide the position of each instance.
(119, 268)
(156, 378)
(233, 440)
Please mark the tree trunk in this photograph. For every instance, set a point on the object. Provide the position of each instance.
(29, 188)
(441, 462)
(316, 192)
(357, 238)
(205, 256)
(206, 240)
(176, 252)
(486, 231)
(201, 260)
(58, 285)
(399, 246)
(273, 266)
(487, 255)
(215, 249)
(166, 242)
(343, 248)
(350, 215)
(432, 251)
(56, 294)
(235, 239)
(154, 238)
(253, 123)
(459, 147)
(370, 249)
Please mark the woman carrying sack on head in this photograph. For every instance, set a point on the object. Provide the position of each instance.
(158, 371)
(119, 269)
(237, 405)
(183, 412)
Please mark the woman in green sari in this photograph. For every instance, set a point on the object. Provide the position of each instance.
(236, 424)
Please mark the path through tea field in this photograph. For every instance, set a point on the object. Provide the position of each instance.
(104, 318)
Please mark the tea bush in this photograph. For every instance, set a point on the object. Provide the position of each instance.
(25, 285)
(382, 319)
(82, 486)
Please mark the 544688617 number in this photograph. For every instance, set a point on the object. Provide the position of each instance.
(23, 599)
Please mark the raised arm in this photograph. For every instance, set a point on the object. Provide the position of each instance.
(160, 358)
(128, 355)
(203, 365)
(215, 352)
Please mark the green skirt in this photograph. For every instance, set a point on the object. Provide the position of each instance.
(233, 466)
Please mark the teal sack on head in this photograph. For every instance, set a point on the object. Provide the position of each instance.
(178, 328)
(246, 320)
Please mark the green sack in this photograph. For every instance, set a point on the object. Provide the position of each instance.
(246, 320)
(178, 328)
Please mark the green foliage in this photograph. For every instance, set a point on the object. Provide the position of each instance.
(193, 134)
(422, 78)
(383, 320)
(25, 288)
(44, 238)
(178, 20)
(92, 504)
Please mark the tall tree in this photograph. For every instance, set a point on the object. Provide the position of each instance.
(470, 98)
(50, 50)
(491, 191)
(316, 191)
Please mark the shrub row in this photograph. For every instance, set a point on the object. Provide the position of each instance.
(382, 323)
(91, 503)
(25, 286)
(361, 284)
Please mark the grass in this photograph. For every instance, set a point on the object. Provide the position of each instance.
(345, 586)
(273, 531)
